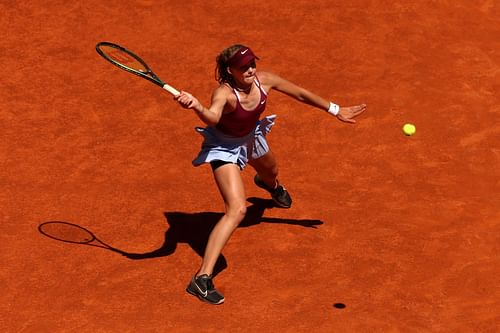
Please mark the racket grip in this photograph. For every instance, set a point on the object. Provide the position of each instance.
(171, 89)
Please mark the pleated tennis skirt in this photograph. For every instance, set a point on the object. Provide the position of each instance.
(238, 150)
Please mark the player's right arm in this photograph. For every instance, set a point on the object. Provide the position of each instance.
(210, 115)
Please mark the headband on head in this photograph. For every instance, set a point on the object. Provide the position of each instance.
(242, 57)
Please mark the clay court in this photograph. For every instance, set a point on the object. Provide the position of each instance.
(387, 233)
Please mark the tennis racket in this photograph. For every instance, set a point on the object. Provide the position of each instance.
(127, 60)
(72, 233)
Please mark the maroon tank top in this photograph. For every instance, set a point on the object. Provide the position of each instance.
(240, 122)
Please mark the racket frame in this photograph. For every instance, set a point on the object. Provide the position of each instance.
(148, 75)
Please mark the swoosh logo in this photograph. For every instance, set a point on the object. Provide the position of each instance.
(243, 52)
(204, 293)
(262, 102)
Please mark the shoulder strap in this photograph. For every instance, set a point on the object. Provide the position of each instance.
(237, 95)
(257, 82)
(235, 92)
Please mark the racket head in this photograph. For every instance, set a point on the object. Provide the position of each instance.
(66, 232)
(127, 60)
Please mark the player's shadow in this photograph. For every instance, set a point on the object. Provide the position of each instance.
(194, 229)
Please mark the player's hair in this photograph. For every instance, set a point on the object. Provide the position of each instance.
(221, 73)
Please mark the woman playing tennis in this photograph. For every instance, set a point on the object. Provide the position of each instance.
(236, 136)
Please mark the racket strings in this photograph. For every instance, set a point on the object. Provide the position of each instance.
(124, 58)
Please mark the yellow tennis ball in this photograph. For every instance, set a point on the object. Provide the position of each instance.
(409, 129)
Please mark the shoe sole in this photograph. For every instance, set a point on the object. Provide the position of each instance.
(280, 204)
(204, 299)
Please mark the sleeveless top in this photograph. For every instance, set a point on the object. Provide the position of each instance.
(241, 122)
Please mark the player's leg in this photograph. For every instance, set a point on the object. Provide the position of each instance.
(228, 179)
(230, 184)
(267, 178)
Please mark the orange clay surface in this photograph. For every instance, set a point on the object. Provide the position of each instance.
(403, 231)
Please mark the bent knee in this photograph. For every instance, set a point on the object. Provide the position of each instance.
(237, 212)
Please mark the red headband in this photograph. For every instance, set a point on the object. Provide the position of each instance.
(242, 57)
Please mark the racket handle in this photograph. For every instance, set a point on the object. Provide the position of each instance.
(171, 89)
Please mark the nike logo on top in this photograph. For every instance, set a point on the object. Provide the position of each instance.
(243, 52)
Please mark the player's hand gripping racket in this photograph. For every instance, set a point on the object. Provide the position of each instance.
(132, 63)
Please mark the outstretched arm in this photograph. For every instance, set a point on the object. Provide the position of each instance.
(345, 114)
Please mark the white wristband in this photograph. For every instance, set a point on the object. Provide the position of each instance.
(334, 109)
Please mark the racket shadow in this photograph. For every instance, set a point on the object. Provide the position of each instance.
(68, 232)
(194, 230)
(190, 228)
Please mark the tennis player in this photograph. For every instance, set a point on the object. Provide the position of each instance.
(235, 136)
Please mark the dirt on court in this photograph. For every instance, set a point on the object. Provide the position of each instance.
(387, 233)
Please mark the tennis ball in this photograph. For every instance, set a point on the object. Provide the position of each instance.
(409, 129)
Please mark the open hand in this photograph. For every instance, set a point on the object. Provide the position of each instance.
(347, 113)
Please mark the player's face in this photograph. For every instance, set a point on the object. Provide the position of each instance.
(245, 74)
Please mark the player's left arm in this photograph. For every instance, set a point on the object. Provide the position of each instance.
(305, 96)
